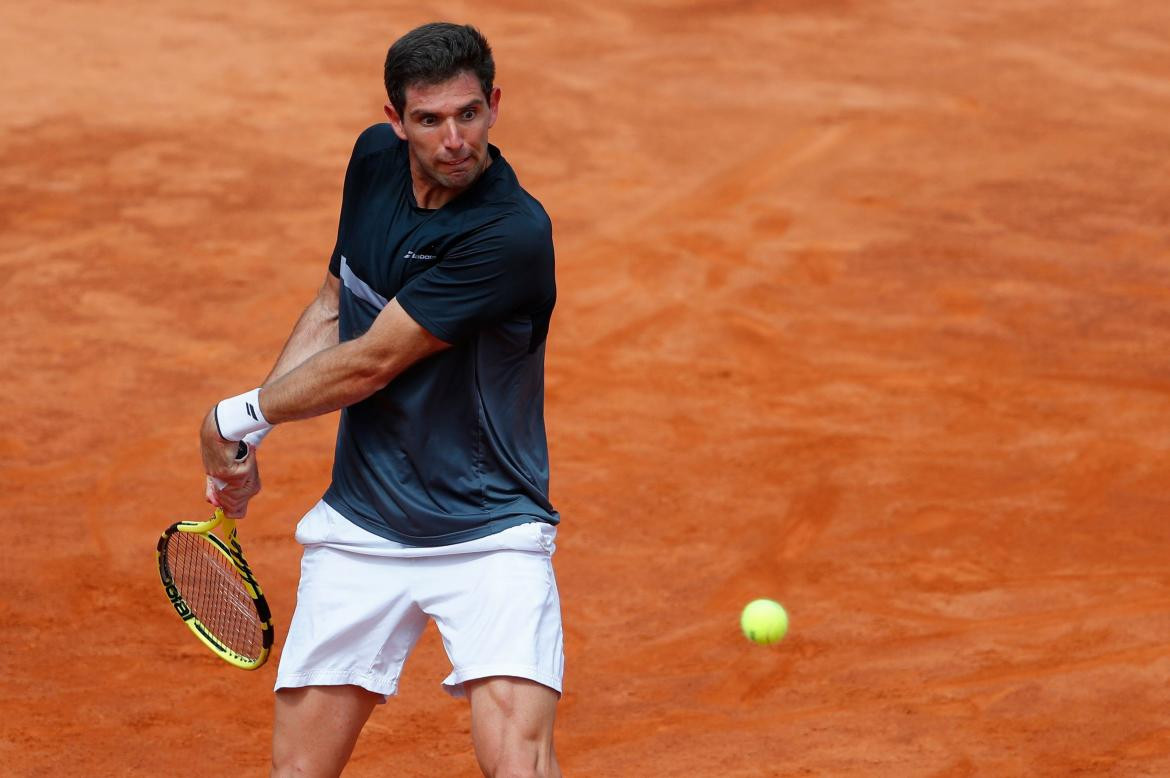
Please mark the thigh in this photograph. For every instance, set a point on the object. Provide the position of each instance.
(499, 614)
(355, 622)
(315, 728)
(512, 726)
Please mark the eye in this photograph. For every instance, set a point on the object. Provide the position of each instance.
(427, 121)
(469, 114)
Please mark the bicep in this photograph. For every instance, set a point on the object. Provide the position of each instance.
(324, 311)
(329, 295)
(322, 314)
(395, 341)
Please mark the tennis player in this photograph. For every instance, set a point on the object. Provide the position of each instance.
(429, 334)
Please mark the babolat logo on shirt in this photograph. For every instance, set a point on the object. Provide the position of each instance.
(413, 255)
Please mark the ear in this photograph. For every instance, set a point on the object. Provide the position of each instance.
(494, 105)
(396, 121)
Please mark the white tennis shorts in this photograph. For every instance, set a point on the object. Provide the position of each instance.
(363, 602)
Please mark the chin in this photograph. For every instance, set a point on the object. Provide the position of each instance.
(455, 181)
(459, 179)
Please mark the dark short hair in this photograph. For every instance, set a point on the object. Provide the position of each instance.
(434, 53)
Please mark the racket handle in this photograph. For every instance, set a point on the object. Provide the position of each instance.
(241, 455)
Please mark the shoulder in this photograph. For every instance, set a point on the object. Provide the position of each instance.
(512, 210)
(529, 228)
(513, 230)
(375, 139)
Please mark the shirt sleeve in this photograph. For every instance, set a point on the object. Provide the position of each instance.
(500, 271)
(374, 139)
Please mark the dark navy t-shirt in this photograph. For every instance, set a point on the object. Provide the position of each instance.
(454, 448)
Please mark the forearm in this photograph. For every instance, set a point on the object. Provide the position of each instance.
(349, 372)
(325, 382)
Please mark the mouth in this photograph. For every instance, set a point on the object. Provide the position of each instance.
(457, 162)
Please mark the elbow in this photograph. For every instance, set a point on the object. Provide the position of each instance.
(370, 379)
(325, 313)
(375, 371)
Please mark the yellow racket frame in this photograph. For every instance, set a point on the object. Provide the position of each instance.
(234, 554)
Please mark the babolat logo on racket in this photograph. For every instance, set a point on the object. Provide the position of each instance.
(177, 601)
(211, 587)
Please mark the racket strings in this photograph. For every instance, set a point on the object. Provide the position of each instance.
(215, 592)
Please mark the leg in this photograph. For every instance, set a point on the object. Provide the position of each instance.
(316, 728)
(353, 627)
(512, 727)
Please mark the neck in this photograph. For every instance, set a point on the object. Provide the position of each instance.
(431, 195)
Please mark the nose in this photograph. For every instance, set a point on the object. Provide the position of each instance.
(452, 138)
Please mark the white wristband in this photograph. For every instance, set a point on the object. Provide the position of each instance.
(253, 438)
(237, 416)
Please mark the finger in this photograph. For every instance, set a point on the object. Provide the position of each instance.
(236, 509)
(210, 494)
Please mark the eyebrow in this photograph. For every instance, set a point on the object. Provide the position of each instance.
(476, 103)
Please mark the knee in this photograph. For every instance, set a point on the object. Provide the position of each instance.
(512, 728)
(292, 766)
(293, 759)
(519, 771)
(282, 765)
(539, 764)
(518, 758)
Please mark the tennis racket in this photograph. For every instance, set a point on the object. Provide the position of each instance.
(211, 587)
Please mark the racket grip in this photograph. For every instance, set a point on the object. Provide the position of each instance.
(241, 455)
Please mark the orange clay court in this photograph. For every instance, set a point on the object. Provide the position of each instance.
(864, 307)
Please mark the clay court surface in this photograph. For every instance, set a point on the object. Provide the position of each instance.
(864, 306)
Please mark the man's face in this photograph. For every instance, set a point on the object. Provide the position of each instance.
(446, 125)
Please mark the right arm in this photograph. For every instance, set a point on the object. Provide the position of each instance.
(315, 331)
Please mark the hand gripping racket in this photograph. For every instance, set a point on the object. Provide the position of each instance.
(211, 587)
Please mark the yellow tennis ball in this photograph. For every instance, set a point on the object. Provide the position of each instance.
(764, 622)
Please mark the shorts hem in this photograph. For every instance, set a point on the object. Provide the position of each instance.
(453, 684)
(387, 687)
